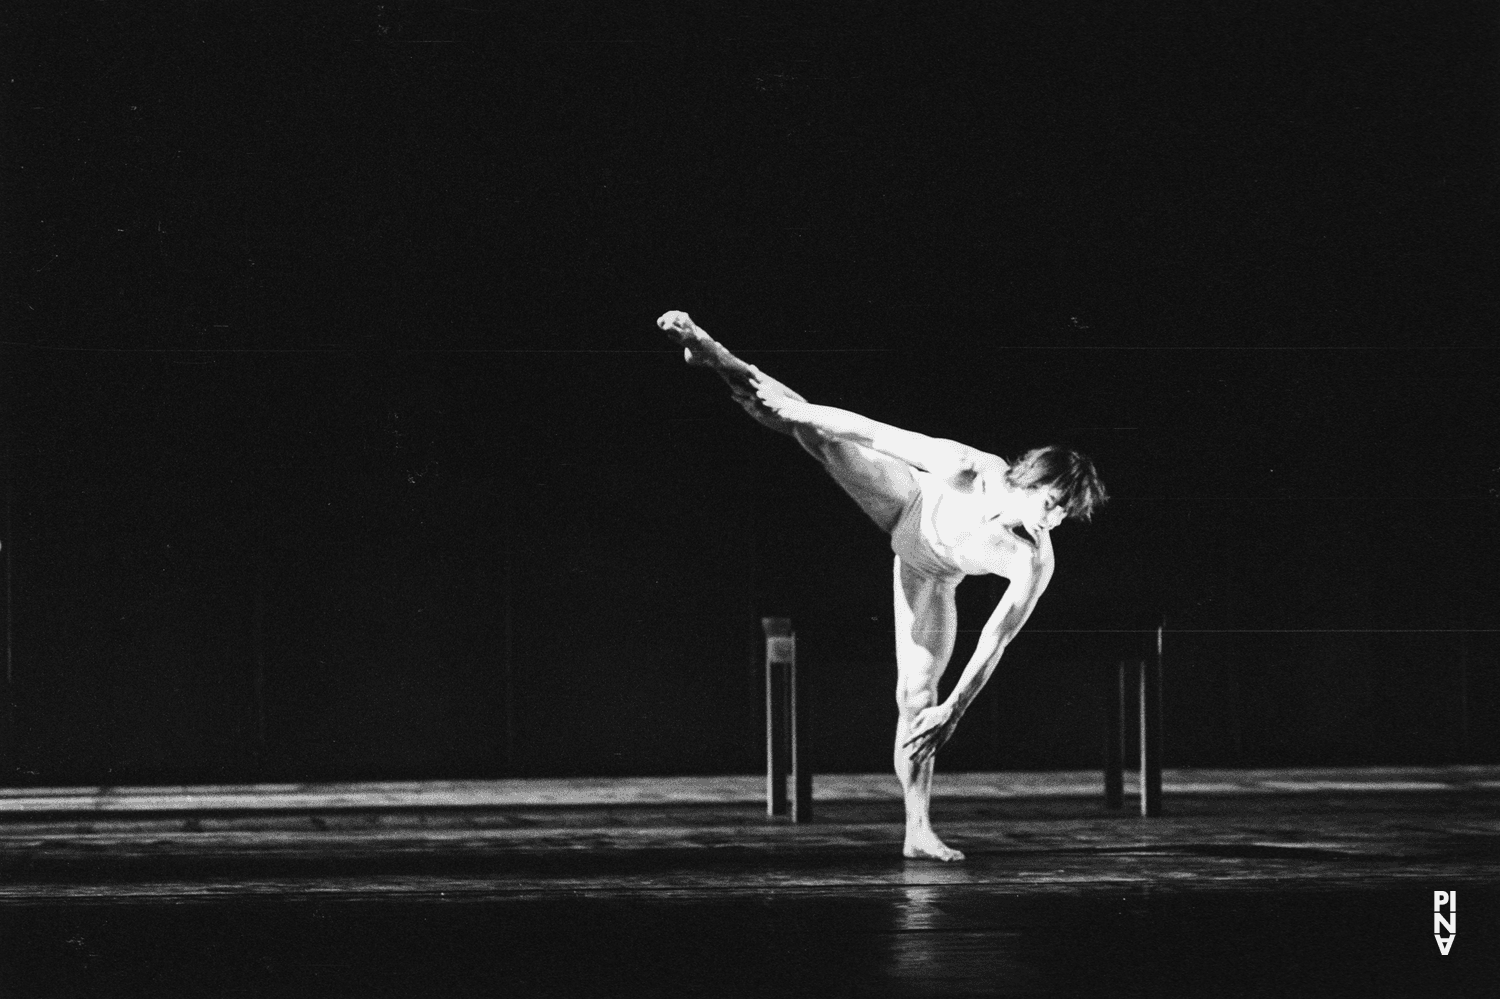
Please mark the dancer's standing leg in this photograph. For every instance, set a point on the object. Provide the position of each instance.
(926, 625)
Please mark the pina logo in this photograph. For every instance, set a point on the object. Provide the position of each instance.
(1445, 923)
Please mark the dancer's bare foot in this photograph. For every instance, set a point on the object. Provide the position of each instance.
(771, 403)
(697, 346)
(923, 844)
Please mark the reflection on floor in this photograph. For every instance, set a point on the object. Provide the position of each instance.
(1264, 884)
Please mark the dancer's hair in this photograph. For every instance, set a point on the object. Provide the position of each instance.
(1072, 473)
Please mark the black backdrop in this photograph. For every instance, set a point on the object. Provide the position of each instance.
(340, 442)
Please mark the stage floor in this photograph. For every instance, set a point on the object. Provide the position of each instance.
(1305, 883)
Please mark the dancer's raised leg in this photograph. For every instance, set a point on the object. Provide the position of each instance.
(926, 626)
(880, 484)
(751, 386)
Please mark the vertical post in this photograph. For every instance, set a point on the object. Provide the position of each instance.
(1114, 735)
(508, 637)
(258, 686)
(799, 711)
(1151, 723)
(258, 646)
(1463, 683)
(9, 744)
(781, 646)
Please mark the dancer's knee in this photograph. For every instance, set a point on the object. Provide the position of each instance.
(914, 698)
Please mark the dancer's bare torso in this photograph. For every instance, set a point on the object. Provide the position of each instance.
(978, 522)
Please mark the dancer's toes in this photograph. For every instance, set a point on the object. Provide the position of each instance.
(698, 348)
(923, 844)
(686, 332)
(676, 321)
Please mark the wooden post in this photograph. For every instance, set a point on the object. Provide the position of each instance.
(508, 632)
(1151, 728)
(799, 710)
(1114, 735)
(1463, 684)
(258, 644)
(9, 744)
(781, 652)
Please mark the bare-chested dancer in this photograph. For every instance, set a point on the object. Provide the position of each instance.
(951, 511)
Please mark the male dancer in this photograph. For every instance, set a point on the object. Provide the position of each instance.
(951, 511)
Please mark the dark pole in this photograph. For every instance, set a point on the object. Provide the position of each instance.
(751, 526)
(508, 651)
(997, 592)
(258, 641)
(8, 737)
(1151, 734)
(801, 756)
(1463, 682)
(780, 650)
(1114, 735)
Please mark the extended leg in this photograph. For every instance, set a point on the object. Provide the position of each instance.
(746, 381)
(926, 626)
(880, 484)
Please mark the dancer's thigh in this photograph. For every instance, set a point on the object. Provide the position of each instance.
(926, 619)
(880, 484)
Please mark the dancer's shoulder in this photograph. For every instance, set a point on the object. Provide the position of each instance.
(966, 466)
(1031, 569)
(1019, 557)
(990, 464)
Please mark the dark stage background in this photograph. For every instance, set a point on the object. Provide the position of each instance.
(340, 442)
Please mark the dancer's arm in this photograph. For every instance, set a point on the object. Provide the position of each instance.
(935, 725)
(1004, 624)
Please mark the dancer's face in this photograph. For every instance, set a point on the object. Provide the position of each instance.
(1041, 508)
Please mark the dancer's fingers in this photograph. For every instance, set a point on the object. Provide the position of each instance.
(919, 737)
(933, 740)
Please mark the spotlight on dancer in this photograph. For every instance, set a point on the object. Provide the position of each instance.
(952, 511)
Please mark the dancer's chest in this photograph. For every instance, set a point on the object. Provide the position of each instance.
(972, 526)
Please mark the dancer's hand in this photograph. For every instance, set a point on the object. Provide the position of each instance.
(932, 728)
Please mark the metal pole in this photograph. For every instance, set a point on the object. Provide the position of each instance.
(798, 707)
(258, 642)
(1151, 724)
(258, 685)
(781, 648)
(8, 741)
(1114, 735)
(1463, 684)
(508, 638)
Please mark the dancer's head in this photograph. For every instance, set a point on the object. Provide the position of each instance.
(1079, 490)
